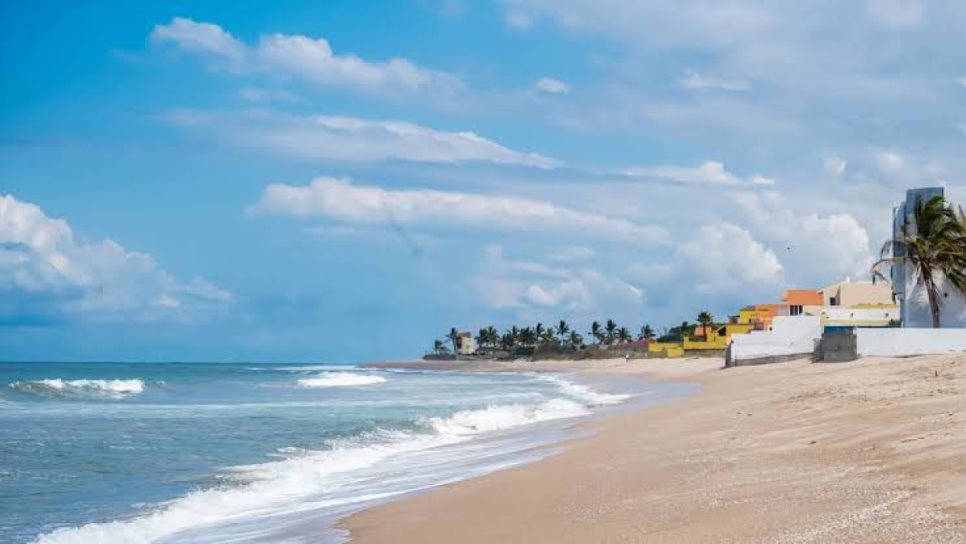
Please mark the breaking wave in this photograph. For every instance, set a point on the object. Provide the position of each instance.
(303, 478)
(80, 389)
(340, 379)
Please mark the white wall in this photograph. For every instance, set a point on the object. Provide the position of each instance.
(789, 335)
(904, 342)
(952, 313)
(844, 316)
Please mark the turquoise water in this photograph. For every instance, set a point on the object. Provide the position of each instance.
(251, 453)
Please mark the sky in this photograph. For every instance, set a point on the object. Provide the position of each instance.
(346, 180)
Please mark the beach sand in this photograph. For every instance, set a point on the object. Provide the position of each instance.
(869, 451)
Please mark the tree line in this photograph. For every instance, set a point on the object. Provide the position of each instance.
(563, 335)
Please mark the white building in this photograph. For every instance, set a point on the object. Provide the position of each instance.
(465, 343)
(908, 290)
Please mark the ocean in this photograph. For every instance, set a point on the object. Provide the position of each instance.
(211, 453)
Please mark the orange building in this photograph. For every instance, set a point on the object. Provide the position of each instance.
(797, 299)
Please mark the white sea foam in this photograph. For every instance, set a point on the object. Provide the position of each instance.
(307, 480)
(84, 389)
(340, 379)
(584, 393)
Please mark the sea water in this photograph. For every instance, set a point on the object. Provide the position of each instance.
(205, 453)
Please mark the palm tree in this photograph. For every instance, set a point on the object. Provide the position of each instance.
(611, 328)
(549, 336)
(539, 330)
(563, 329)
(647, 333)
(596, 332)
(508, 340)
(439, 347)
(454, 338)
(515, 333)
(527, 337)
(705, 319)
(623, 335)
(576, 341)
(936, 249)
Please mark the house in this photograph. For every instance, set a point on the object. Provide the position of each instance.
(465, 343)
(796, 300)
(907, 289)
(851, 294)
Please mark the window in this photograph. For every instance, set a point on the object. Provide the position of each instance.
(834, 301)
(795, 310)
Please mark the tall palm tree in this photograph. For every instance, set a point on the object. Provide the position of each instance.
(623, 335)
(563, 329)
(705, 319)
(647, 333)
(549, 336)
(539, 330)
(597, 332)
(576, 341)
(527, 337)
(454, 338)
(439, 347)
(935, 248)
(507, 341)
(611, 328)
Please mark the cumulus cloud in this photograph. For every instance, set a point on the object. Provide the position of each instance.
(550, 85)
(350, 138)
(42, 261)
(725, 257)
(694, 81)
(528, 286)
(341, 200)
(308, 59)
(709, 173)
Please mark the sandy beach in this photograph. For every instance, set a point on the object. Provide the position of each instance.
(870, 451)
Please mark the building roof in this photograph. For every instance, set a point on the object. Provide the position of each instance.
(802, 297)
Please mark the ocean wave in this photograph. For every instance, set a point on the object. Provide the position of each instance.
(290, 484)
(81, 389)
(584, 393)
(340, 379)
(304, 480)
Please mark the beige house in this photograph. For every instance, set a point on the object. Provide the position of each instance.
(854, 294)
(465, 343)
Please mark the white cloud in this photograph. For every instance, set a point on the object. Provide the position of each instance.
(518, 19)
(351, 138)
(550, 85)
(41, 258)
(532, 287)
(341, 200)
(725, 257)
(889, 161)
(709, 173)
(694, 81)
(204, 39)
(834, 165)
(309, 59)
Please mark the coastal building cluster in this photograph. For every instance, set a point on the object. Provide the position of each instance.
(915, 303)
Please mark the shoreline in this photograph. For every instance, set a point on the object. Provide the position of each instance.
(870, 451)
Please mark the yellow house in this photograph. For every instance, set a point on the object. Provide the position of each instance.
(666, 349)
(707, 339)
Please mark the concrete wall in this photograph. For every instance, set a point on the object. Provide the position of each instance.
(905, 342)
(952, 312)
(789, 335)
(860, 317)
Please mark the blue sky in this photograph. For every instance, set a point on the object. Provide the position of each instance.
(344, 181)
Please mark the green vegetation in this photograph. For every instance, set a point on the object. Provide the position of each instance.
(935, 248)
